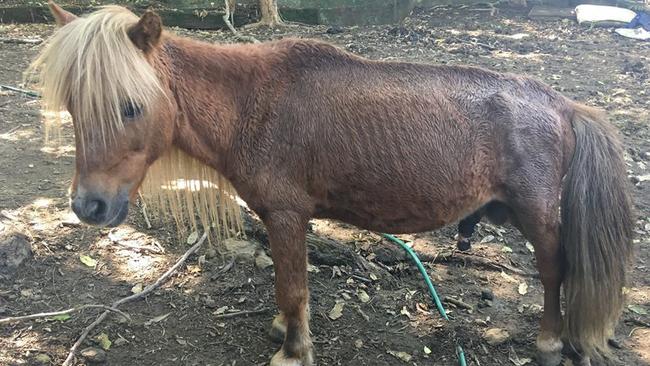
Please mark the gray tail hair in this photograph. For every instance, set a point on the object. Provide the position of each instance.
(596, 233)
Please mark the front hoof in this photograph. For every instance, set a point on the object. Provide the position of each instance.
(549, 352)
(281, 359)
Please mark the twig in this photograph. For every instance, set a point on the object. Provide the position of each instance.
(63, 312)
(483, 262)
(14, 129)
(23, 91)
(240, 313)
(638, 322)
(458, 303)
(165, 276)
(361, 278)
(154, 250)
(144, 210)
(8, 215)
(21, 40)
(226, 19)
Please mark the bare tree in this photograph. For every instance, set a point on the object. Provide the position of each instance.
(270, 15)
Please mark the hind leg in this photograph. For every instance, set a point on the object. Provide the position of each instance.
(539, 222)
(466, 228)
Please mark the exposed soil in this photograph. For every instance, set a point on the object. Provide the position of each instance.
(593, 65)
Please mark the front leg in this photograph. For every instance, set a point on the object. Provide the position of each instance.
(286, 231)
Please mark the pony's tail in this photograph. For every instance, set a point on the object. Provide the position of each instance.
(596, 233)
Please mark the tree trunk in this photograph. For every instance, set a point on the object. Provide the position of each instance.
(270, 15)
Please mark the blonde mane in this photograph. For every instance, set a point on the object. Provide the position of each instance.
(91, 68)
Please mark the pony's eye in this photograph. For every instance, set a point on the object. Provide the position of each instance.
(130, 110)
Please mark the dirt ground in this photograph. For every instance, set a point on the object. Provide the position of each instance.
(179, 324)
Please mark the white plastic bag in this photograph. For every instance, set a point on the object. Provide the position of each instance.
(601, 13)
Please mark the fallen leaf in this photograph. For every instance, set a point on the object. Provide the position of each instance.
(27, 292)
(193, 237)
(104, 342)
(90, 262)
(400, 355)
(220, 310)
(638, 309)
(312, 269)
(506, 249)
(405, 312)
(496, 336)
(337, 310)
(363, 296)
(520, 361)
(508, 277)
(157, 319)
(523, 288)
(62, 317)
(427, 350)
(487, 239)
(530, 247)
(137, 288)
(43, 359)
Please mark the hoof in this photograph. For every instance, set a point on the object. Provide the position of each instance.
(549, 352)
(278, 329)
(463, 244)
(281, 359)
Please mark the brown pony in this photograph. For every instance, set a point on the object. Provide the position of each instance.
(302, 129)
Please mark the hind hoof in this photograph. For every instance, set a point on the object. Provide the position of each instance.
(463, 244)
(549, 352)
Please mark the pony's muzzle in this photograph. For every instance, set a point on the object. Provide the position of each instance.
(98, 210)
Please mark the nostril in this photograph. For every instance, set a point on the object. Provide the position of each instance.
(95, 209)
(91, 207)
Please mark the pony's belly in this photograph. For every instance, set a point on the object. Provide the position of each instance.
(397, 219)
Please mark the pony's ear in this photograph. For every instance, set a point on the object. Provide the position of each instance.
(62, 17)
(146, 33)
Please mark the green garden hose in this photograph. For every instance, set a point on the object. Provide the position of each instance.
(434, 295)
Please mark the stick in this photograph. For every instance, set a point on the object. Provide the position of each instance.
(21, 40)
(139, 247)
(63, 312)
(9, 133)
(144, 210)
(165, 276)
(226, 19)
(458, 303)
(243, 312)
(23, 91)
(482, 262)
(638, 322)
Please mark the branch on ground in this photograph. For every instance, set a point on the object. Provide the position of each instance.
(53, 314)
(147, 290)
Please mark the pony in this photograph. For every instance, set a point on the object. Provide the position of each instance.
(299, 129)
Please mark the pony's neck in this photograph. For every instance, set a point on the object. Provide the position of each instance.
(212, 85)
